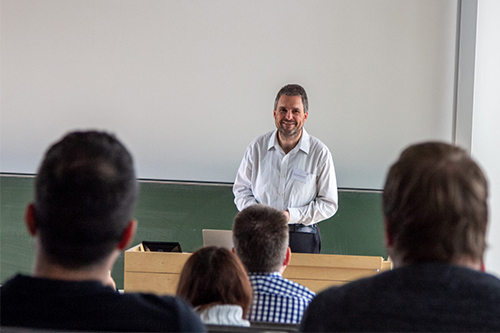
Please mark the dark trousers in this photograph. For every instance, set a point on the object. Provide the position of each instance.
(301, 242)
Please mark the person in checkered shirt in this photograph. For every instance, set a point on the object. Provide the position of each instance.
(260, 237)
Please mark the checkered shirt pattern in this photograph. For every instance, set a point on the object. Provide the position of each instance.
(278, 300)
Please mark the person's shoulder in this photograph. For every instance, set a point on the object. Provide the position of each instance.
(167, 308)
(358, 290)
(316, 145)
(293, 289)
(325, 312)
(360, 286)
(108, 309)
(387, 301)
(334, 308)
(147, 300)
(259, 145)
(262, 140)
(12, 280)
(300, 289)
(484, 283)
(5, 290)
(16, 284)
(421, 279)
(489, 279)
(426, 277)
(443, 273)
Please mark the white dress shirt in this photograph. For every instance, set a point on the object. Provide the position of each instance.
(302, 181)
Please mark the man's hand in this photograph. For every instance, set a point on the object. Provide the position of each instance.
(287, 215)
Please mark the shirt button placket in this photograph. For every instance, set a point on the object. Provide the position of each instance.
(282, 183)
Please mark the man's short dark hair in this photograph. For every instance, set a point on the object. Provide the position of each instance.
(260, 237)
(85, 193)
(293, 90)
(435, 204)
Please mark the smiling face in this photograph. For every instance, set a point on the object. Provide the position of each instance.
(289, 116)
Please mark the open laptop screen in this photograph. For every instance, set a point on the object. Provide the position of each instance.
(220, 238)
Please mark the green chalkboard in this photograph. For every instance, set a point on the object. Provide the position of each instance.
(177, 212)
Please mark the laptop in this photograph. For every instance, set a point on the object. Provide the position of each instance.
(220, 238)
(161, 246)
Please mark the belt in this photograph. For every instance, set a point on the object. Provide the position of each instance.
(308, 229)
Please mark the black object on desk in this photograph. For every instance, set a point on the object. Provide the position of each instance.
(162, 246)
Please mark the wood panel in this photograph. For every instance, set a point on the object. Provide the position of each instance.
(148, 282)
(341, 261)
(159, 272)
(160, 262)
(326, 273)
(319, 285)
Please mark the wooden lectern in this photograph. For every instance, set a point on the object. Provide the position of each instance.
(158, 272)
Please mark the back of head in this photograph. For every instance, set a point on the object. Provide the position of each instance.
(214, 275)
(85, 193)
(435, 205)
(260, 237)
(293, 90)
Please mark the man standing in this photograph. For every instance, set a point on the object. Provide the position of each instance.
(290, 170)
(260, 237)
(81, 220)
(435, 208)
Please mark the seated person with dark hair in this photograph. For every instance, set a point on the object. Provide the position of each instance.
(214, 281)
(81, 219)
(260, 237)
(435, 208)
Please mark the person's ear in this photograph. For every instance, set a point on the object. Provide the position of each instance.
(288, 257)
(30, 219)
(128, 235)
(233, 251)
(305, 115)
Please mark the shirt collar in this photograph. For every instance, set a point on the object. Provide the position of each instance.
(304, 142)
(273, 140)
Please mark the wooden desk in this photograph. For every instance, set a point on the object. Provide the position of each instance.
(320, 271)
(158, 272)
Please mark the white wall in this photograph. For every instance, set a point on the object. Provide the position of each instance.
(486, 122)
(188, 84)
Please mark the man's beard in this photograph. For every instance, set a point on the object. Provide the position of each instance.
(295, 131)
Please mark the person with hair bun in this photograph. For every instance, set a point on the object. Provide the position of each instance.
(214, 281)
